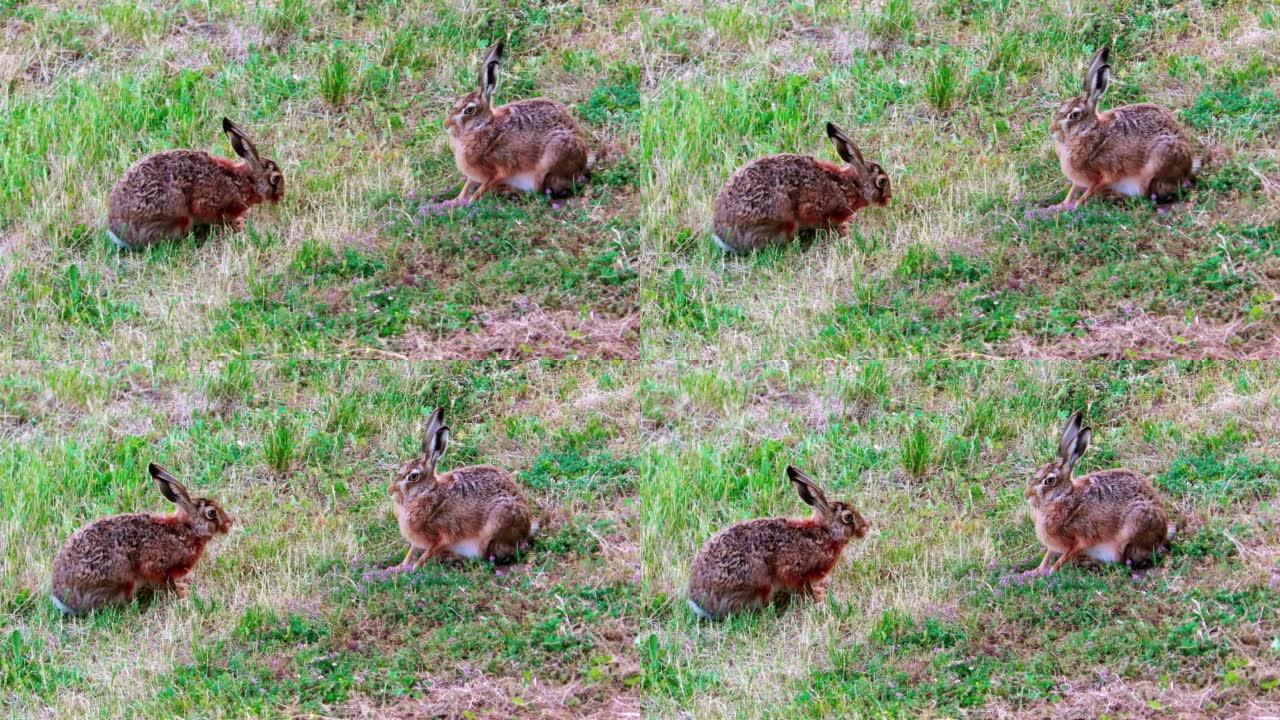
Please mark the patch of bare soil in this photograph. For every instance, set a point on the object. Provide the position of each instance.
(1156, 337)
(533, 333)
(1115, 697)
(486, 697)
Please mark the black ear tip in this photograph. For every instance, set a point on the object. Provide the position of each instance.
(227, 125)
(793, 474)
(832, 130)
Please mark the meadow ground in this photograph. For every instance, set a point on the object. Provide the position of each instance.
(954, 99)
(294, 614)
(930, 616)
(349, 99)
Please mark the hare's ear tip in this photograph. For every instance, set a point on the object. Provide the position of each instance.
(832, 130)
(154, 469)
(227, 125)
(792, 472)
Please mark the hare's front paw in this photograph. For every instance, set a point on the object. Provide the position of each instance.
(237, 223)
(181, 586)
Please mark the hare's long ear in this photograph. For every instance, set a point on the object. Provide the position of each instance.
(1078, 447)
(1069, 432)
(240, 142)
(844, 146)
(439, 441)
(434, 423)
(489, 72)
(808, 490)
(1095, 83)
(169, 486)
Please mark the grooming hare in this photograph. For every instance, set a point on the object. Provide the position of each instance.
(109, 560)
(745, 565)
(1131, 150)
(528, 145)
(769, 199)
(163, 196)
(471, 512)
(1109, 515)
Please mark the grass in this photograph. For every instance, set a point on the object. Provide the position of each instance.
(646, 388)
(928, 616)
(349, 99)
(294, 611)
(954, 100)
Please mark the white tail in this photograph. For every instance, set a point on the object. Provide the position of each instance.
(62, 607)
(116, 239)
(534, 527)
(1172, 529)
(1195, 166)
(721, 243)
(697, 610)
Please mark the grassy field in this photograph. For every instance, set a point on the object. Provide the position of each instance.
(929, 616)
(954, 98)
(293, 613)
(349, 98)
(646, 388)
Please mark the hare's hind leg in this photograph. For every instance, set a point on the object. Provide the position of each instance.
(1145, 530)
(564, 164)
(506, 530)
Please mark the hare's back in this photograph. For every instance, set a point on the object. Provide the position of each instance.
(480, 481)
(1118, 487)
(107, 539)
(536, 116)
(153, 180)
(1145, 121)
(759, 538)
(758, 188)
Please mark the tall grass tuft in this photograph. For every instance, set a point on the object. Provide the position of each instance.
(941, 84)
(893, 23)
(918, 448)
(280, 446)
(336, 79)
(287, 17)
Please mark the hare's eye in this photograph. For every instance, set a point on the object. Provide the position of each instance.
(1075, 115)
(413, 476)
(469, 110)
(881, 182)
(211, 513)
(276, 178)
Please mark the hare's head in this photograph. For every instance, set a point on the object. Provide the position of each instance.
(842, 519)
(1054, 477)
(268, 181)
(206, 517)
(871, 181)
(475, 109)
(1080, 113)
(421, 471)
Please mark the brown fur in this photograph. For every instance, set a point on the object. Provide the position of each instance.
(1112, 514)
(529, 145)
(746, 565)
(480, 506)
(1135, 149)
(165, 195)
(770, 199)
(112, 559)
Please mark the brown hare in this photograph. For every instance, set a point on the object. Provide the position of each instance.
(1109, 515)
(528, 145)
(769, 199)
(470, 512)
(1132, 150)
(110, 560)
(163, 196)
(744, 566)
